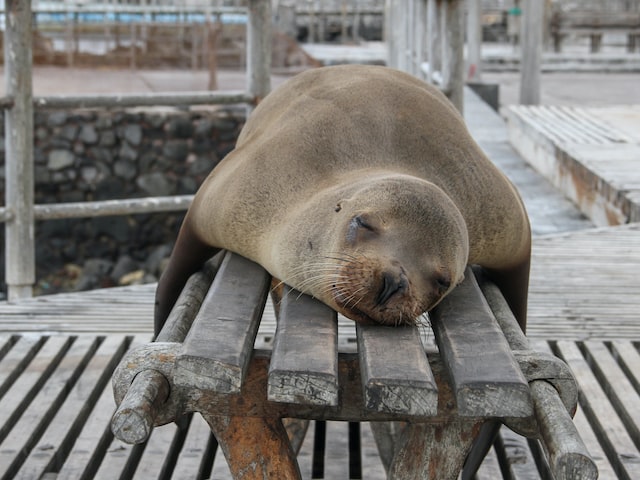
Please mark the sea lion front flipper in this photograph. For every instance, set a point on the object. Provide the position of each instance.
(514, 285)
(188, 255)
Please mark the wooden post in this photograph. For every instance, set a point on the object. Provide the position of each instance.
(531, 52)
(474, 41)
(434, 48)
(19, 229)
(452, 26)
(259, 48)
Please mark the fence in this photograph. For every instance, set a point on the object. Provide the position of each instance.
(20, 212)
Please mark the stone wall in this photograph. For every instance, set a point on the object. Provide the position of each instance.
(101, 155)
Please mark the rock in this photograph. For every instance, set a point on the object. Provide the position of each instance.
(201, 166)
(180, 127)
(132, 278)
(94, 272)
(88, 135)
(125, 169)
(60, 159)
(127, 152)
(203, 128)
(69, 132)
(107, 138)
(57, 119)
(109, 188)
(156, 258)
(123, 266)
(89, 174)
(176, 150)
(97, 266)
(117, 228)
(155, 184)
(133, 134)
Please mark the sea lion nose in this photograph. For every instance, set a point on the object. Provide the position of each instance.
(392, 284)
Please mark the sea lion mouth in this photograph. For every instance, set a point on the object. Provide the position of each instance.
(360, 316)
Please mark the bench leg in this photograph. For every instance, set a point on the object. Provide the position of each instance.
(434, 452)
(255, 448)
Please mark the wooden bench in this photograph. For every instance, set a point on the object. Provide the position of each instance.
(595, 25)
(428, 405)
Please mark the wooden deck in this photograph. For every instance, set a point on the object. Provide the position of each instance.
(56, 403)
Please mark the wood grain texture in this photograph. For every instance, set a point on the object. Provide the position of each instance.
(485, 375)
(396, 376)
(304, 363)
(218, 347)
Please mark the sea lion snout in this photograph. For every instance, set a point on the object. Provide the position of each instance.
(393, 284)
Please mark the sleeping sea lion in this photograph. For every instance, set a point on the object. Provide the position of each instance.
(360, 186)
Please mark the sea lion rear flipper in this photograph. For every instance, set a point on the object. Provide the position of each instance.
(188, 255)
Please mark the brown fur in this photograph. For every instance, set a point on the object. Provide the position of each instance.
(359, 185)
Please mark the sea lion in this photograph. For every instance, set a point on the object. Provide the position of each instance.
(361, 186)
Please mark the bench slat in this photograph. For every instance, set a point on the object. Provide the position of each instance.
(396, 379)
(484, 373)
(304, 363)
(218, 348)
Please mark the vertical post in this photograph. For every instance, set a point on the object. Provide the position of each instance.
(433, 40)
(419, 19)
(453, 51)
(389, 33)
(531, 52)
(19, 229)
(474, 40)
(259, 48)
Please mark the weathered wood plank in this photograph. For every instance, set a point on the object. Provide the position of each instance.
(55, 443)
(196, 455)
(616, 441)
(35, 418)
(119, 461)
(92, 442)
(217, 351)
(159, 453)
(396, 379)
(584, 428)
(304, 362)
(486, 378)
(26, 386)
(516, 456)
(188, 303)
(372, 468)
(16, 359)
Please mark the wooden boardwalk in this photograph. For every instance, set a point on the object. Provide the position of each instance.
(590, 154)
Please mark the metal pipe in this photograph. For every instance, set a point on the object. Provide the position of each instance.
(112, 207)
(143, 100)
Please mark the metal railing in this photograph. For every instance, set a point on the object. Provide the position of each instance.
(20, 212)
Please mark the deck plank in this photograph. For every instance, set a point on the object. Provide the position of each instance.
(56, 441)
(34, 419)
(610, 429)
(196, 455)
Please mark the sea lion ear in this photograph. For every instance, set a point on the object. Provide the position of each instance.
(338, 207)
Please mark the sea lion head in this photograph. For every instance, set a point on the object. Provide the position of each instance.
(378, 250)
